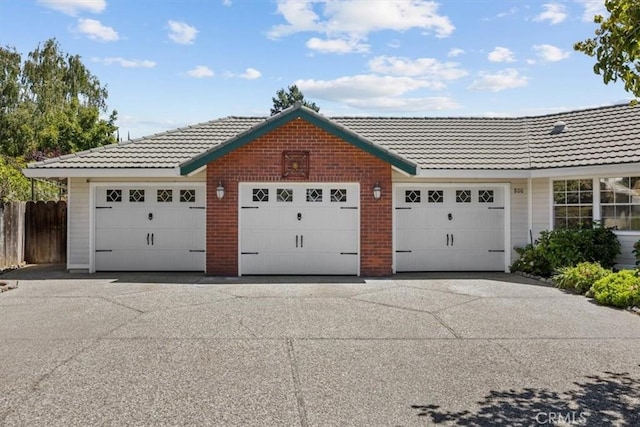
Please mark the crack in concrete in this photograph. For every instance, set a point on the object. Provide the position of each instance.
(447, 327)
(297, 385)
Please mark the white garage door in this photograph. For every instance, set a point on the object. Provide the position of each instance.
(150, 228)
(450, 228)
(310, 228)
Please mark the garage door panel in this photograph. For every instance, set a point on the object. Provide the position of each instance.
(260, 240)
(149, 260)
(298, 264)
(329, 240)
(449, 228)
(163, 232)
(306, 234)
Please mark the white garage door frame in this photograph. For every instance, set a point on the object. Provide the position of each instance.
(506, 187)
(93, 186)
(247, 186)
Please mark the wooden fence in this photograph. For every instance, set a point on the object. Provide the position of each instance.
(11, 234)
(33, 232)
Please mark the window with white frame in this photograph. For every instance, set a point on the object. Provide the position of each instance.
(573, 203)
(620, 202)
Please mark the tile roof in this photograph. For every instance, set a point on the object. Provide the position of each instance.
(597, 136)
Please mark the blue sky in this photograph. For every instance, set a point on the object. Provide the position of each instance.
(170, 63)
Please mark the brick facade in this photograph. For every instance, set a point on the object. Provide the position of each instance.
(331, 160)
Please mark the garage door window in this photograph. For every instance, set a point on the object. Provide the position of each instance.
(114, 195)
(339, 195)
(463, 196)
(314, 194)
(436, 196)
(284, 195)
(136, 196)
(485, 196)
(188, 196)
(260, 195)
(412, 196)
(165, 196)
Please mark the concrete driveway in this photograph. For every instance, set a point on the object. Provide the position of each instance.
(180, 349)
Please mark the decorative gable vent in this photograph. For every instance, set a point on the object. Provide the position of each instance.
(559, 127)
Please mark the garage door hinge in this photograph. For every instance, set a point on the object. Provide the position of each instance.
(403, 252)
(348, 207)
(249, 253)
(103, 207)
(104, 250)
(496, 207)
(402, 208)
(196, 250)
(348, 253)
(249, 207)
(496, 250)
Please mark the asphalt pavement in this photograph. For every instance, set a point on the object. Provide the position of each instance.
(411, 350)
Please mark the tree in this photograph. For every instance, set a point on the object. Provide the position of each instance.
(51, 104)
(616, 44)
(285, 100)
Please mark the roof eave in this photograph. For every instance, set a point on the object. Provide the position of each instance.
(101, 172)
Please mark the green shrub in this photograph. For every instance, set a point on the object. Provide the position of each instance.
(636, 252)
(581, 277)
(565, 247)
(621, 289)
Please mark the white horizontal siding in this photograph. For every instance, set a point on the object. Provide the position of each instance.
(519, 216)
(540, 206)
(78, 224)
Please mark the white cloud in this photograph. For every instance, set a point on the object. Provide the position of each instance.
(501, 15)
(501, 54)
(429, 68)
(455, 52)
(226, 2)
(361, 86)
(373, 92)
(555, 13)
(550, 53)
(181, 32)
(349, 20)
(394, 44)
(337, 46)
(200, 72)
(502, 80)
(531, 61)
(592, 8)
(96, 31)
(126, 63)
(432, 103)
(250, 74)
(73, 7)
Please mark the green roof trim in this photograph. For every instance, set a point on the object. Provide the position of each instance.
(297, 112)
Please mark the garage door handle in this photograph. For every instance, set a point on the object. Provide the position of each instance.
(151, 239)
(301, 241)
(147, 238)
(451, 239)
(296, 240)
(447, 239)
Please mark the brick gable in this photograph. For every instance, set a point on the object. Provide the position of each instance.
(331, 160)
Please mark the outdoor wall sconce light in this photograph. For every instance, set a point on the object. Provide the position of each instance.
(220, 190)
(377, 191)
